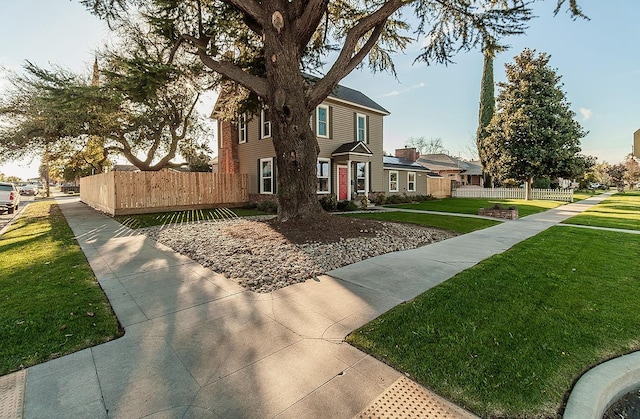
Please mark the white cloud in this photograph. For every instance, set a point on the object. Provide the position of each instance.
(586, 113)
(403, 91)
(393, 93)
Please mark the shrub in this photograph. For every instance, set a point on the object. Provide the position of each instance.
(249, 205)
(422, 198)
(364, 201)
(542, 183)
(267, 206)
(329, 202)
(380, 199)
(347, 206)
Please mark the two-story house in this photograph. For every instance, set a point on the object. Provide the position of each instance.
(348, 126)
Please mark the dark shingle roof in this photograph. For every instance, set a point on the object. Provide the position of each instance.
(356, 97)
(350, 95)
(353, 148)
(390, 162)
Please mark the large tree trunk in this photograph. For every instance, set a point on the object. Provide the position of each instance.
(295, 144)
(527, 185)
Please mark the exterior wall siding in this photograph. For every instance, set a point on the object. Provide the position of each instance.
(421, 182)
(343, 130)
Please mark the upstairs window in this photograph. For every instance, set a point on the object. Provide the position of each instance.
(322, 121)
(242, 129)
(265, 124)
(361, 127)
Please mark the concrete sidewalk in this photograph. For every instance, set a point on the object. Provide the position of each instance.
(199, 346)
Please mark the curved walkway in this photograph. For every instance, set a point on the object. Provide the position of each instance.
(197, 345)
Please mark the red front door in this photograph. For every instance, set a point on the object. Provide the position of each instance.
(342, 183)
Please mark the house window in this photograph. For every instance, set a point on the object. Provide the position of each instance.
(323, 176)
(411, 181)
(361, 127)
(266, 176)
(242, 129)
(393, 181)
(322, 121)
(361, 176)
(265, 124)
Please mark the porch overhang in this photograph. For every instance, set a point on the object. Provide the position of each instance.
(355, 151)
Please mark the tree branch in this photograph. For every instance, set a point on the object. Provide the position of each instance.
(349, 58)
(308, 22)
(256, 84)
(251, 9)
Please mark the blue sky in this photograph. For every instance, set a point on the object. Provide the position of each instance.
(599, 61)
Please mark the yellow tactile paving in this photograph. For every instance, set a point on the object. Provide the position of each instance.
(12, 395)
(406, 399)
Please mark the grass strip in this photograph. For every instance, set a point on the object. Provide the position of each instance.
(457, 224)
(50, 301)
(617, 211)
(471, 205)
(189, 216)
(508, 337)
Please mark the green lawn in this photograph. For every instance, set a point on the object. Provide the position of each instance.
(453, 223)
(508, 337)
(51, 303)
(617, 211)
(162, 218)
(471, 205)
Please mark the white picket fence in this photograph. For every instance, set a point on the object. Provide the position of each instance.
(565, 195)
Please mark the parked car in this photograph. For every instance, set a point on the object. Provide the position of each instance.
(9, 197)
(29, 190)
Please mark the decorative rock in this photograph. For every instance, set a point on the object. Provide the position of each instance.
(266, 261)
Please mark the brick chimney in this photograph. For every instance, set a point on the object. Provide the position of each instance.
(408, 153)
(228, 161)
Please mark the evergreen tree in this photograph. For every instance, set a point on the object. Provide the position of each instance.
(487, 100)
(533, 132)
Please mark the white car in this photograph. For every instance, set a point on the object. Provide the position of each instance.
(9, 197)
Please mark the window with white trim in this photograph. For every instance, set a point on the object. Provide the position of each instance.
(242, 129)
(322, 121)
(361, 127)
(361, 177)
(393, 181)
(411, 181)
(265, 123)
(324, 176)
(266, 176)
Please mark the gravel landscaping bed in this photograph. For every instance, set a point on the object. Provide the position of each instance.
(263, 256)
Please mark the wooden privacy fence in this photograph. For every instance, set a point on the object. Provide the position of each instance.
(125, 193)
(565, 195)
(439, 187)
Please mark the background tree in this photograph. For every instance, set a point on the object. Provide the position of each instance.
(141, 107)
(424, 146)
(617, 173)
(533, 132)
(487, 100)
(265, 47)
(632, 175)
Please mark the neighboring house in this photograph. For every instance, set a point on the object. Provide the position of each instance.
(403, 175)
(464, 173)
(348, 126)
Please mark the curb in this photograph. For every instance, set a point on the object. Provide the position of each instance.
(603, 385)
